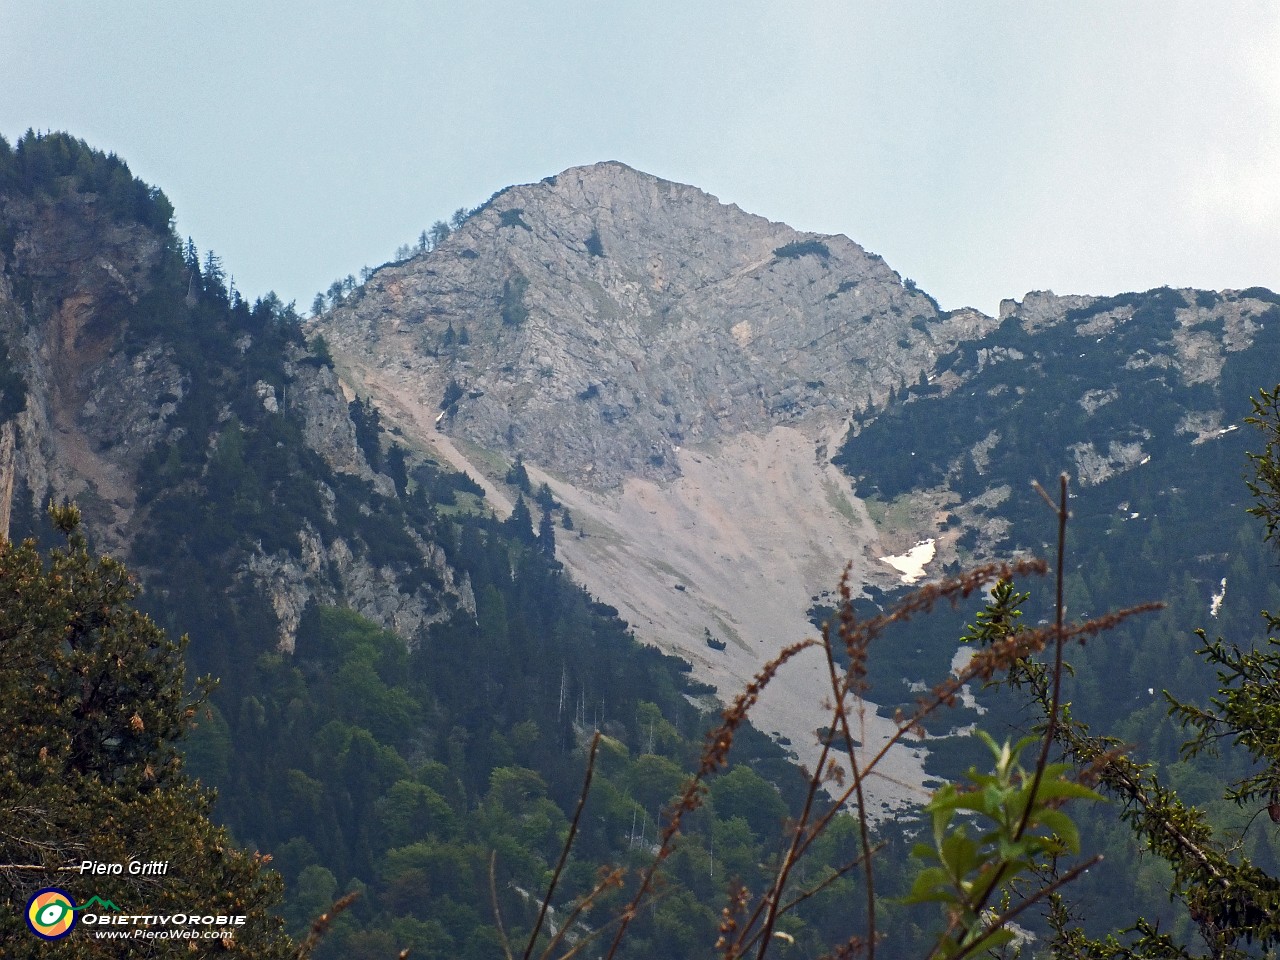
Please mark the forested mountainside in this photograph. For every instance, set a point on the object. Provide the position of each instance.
(405, 682)
(687, 377)
(696, 413)
(1141, 398)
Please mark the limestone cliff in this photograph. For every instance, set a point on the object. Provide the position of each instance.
(678, 372)
(602, 319)
(105, 401)
(68, 277)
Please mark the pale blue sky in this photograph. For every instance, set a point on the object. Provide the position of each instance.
(983, 148)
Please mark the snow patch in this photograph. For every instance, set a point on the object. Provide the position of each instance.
(959, 661)
(912, 563)
(1216, 603)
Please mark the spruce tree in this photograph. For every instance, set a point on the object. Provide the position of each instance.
(518, 475)
(547, 535)
(365, 418)
(520, 523)
(396, 469)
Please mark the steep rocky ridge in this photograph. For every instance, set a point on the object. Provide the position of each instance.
(1112, 381)
(604, 318)
(132, 386)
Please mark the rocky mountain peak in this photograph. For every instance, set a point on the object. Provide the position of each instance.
(602, 318)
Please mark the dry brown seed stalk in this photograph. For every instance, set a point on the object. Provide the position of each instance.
(714, 756)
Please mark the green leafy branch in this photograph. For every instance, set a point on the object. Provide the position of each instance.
(1023, 828)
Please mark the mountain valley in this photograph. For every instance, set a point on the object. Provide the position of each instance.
(589, 464)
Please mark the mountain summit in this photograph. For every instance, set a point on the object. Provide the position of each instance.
(599, 320)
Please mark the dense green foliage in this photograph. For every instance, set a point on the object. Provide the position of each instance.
(56, 165)
(92, 704)
(512, 306)
(801, 248)
(1020, 827)
(594, 246)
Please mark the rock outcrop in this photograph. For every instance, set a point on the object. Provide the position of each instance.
(331, 573)
(90, 413)
(100, 399)
(602, 319)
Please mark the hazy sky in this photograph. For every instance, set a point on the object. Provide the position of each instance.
(983, 148)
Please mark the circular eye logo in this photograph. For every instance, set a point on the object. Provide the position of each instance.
(51, 913)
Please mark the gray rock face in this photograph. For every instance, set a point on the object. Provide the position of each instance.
(94, 410)
(331, 573)
(601, 319)
(91, 413)
(1042, 307)
(112, 415)
(1206, 327)
(317, 397)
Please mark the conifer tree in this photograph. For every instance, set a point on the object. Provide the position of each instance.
(518, 475)
(396, 469)
(520, 523)
(547, 535)
(367, 423)
(93, 705)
